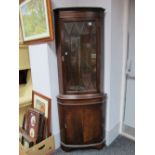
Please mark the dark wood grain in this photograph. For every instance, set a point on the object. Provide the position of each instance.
(92, 124)
(73, 125)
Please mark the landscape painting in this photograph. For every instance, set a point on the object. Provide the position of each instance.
(34, 19)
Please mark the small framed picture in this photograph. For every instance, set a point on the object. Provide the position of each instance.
(36, 21)
(43, 104)
(34, 126)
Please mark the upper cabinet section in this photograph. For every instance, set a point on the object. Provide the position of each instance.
(78, 35)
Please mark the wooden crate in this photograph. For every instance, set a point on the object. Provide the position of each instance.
(46, 147)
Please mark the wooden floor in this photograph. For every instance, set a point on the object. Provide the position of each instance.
(121, 146)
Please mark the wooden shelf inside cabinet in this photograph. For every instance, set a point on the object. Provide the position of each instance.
(80, 101)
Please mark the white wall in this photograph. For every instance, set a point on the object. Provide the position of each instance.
(117, 10)
(116, 59)
(129, 118)
(44, 64)
(40, 68)
(53, 75)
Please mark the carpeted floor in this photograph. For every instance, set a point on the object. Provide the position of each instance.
(121, 146)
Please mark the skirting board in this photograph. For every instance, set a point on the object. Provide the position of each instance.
(128, 132)
(112, 134)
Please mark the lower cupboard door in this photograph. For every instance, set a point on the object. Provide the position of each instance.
(73, 125)
(92, 124)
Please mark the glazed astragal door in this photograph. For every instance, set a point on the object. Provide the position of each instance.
(79, 56)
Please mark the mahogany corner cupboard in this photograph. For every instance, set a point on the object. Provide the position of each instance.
(81, 102)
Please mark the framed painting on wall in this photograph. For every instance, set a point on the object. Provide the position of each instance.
(43, 104)
(36, 21)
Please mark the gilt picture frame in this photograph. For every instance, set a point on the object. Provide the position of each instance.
(36, 21)
(43, 104)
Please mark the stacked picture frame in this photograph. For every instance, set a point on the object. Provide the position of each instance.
(37, 121)
(43, 104)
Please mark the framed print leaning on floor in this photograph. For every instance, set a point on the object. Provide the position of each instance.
(43, 104)
(36, 21)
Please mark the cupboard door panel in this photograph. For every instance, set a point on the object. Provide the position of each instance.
(61, 122)
(73, 125)
(92, 128)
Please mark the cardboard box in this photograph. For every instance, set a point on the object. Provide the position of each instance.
(46, 147)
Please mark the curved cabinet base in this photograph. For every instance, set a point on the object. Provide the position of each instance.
(81, 121)
(68, 148)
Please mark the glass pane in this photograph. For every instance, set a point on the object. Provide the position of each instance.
(79, 53)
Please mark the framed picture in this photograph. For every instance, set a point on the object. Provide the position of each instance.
(43, 104)
(36, 21)
(36, 124)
